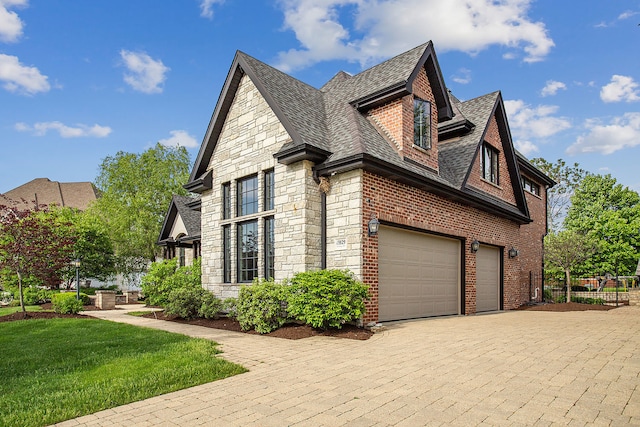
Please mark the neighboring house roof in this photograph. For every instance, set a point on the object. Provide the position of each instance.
(329, 126)
(187, 209)
(43, 191)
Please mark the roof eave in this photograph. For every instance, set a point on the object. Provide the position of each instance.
(395, 172)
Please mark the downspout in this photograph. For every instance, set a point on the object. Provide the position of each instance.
(324, 186)
(323, 230)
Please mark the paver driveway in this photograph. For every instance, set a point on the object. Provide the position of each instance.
(511, 368)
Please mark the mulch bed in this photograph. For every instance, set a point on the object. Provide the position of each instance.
(290, 331)
(566, 306)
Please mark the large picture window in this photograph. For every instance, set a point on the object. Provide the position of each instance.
(247, 251)
(490, 163)
(248, 196)
(422, 123)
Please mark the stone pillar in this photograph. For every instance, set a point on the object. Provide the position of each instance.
(132, 297)
(106, 300)
(634, 296)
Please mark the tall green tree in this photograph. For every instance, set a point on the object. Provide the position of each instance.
(609, 213)
(34, 244)
(93, 246)
(567, 178)
(136, 192)
(566, 250)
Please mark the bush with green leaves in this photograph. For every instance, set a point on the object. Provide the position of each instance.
(326, 298)
(262, 306)
(190, 302)
(156, 284)
(66, 303)
(230, 306)
(210, 306)
(165, 276)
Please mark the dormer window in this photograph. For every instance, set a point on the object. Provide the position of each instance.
(490, 163)
(421, 123)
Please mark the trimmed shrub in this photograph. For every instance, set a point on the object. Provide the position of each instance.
(156, 284)
(164, 277)
(184, 302)
(210, 307)
(326, 298)
(66, 303)
(262, 306)
(230, 306)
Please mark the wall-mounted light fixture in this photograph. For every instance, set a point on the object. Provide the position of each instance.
(475, 245)
(513, 252)
(374, 225)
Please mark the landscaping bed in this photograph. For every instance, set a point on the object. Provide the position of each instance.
(566, 306)
(290, 331)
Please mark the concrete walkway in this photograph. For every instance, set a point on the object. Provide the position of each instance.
(518, 368)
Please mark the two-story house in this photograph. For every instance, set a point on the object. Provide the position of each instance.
(384, 173)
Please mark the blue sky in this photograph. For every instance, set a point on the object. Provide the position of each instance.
(81, 80)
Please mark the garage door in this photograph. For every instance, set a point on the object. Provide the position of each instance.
(487, 279)
(419, 275)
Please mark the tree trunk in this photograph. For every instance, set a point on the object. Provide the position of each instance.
(568, 278)
(24, 310)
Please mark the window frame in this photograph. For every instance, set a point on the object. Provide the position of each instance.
(226, 253)
(269, 247)
(247, 264)
(490, 155)
(269, 190)
(244, 193)
(226, 200)
(422, 127)
(530, 186)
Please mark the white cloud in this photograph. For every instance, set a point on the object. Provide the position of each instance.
(20, 78)
(206, 7)
(534, 122)
(145, 74)
(621, 88)
(463, 76)
(619, 133)
(526, 147)
(388, 27)
(179, 138)
(627, 14)
(77, 131)
(552, 87)
(10, 23)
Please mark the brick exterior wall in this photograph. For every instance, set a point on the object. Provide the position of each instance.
(396, 120)
(531, 235)
(400, 204)
(503, 190)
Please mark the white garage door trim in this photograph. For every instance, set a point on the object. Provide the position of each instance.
(488, 278)
(418, 274)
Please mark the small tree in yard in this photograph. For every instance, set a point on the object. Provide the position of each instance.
(34, 244)
(566, 250)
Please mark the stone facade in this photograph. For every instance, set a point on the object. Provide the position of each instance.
(251, 135)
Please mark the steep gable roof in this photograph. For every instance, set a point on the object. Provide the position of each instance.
(182, 206)
(329, 126)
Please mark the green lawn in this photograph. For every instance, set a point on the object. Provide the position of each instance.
(57, 369)
(9, 310)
